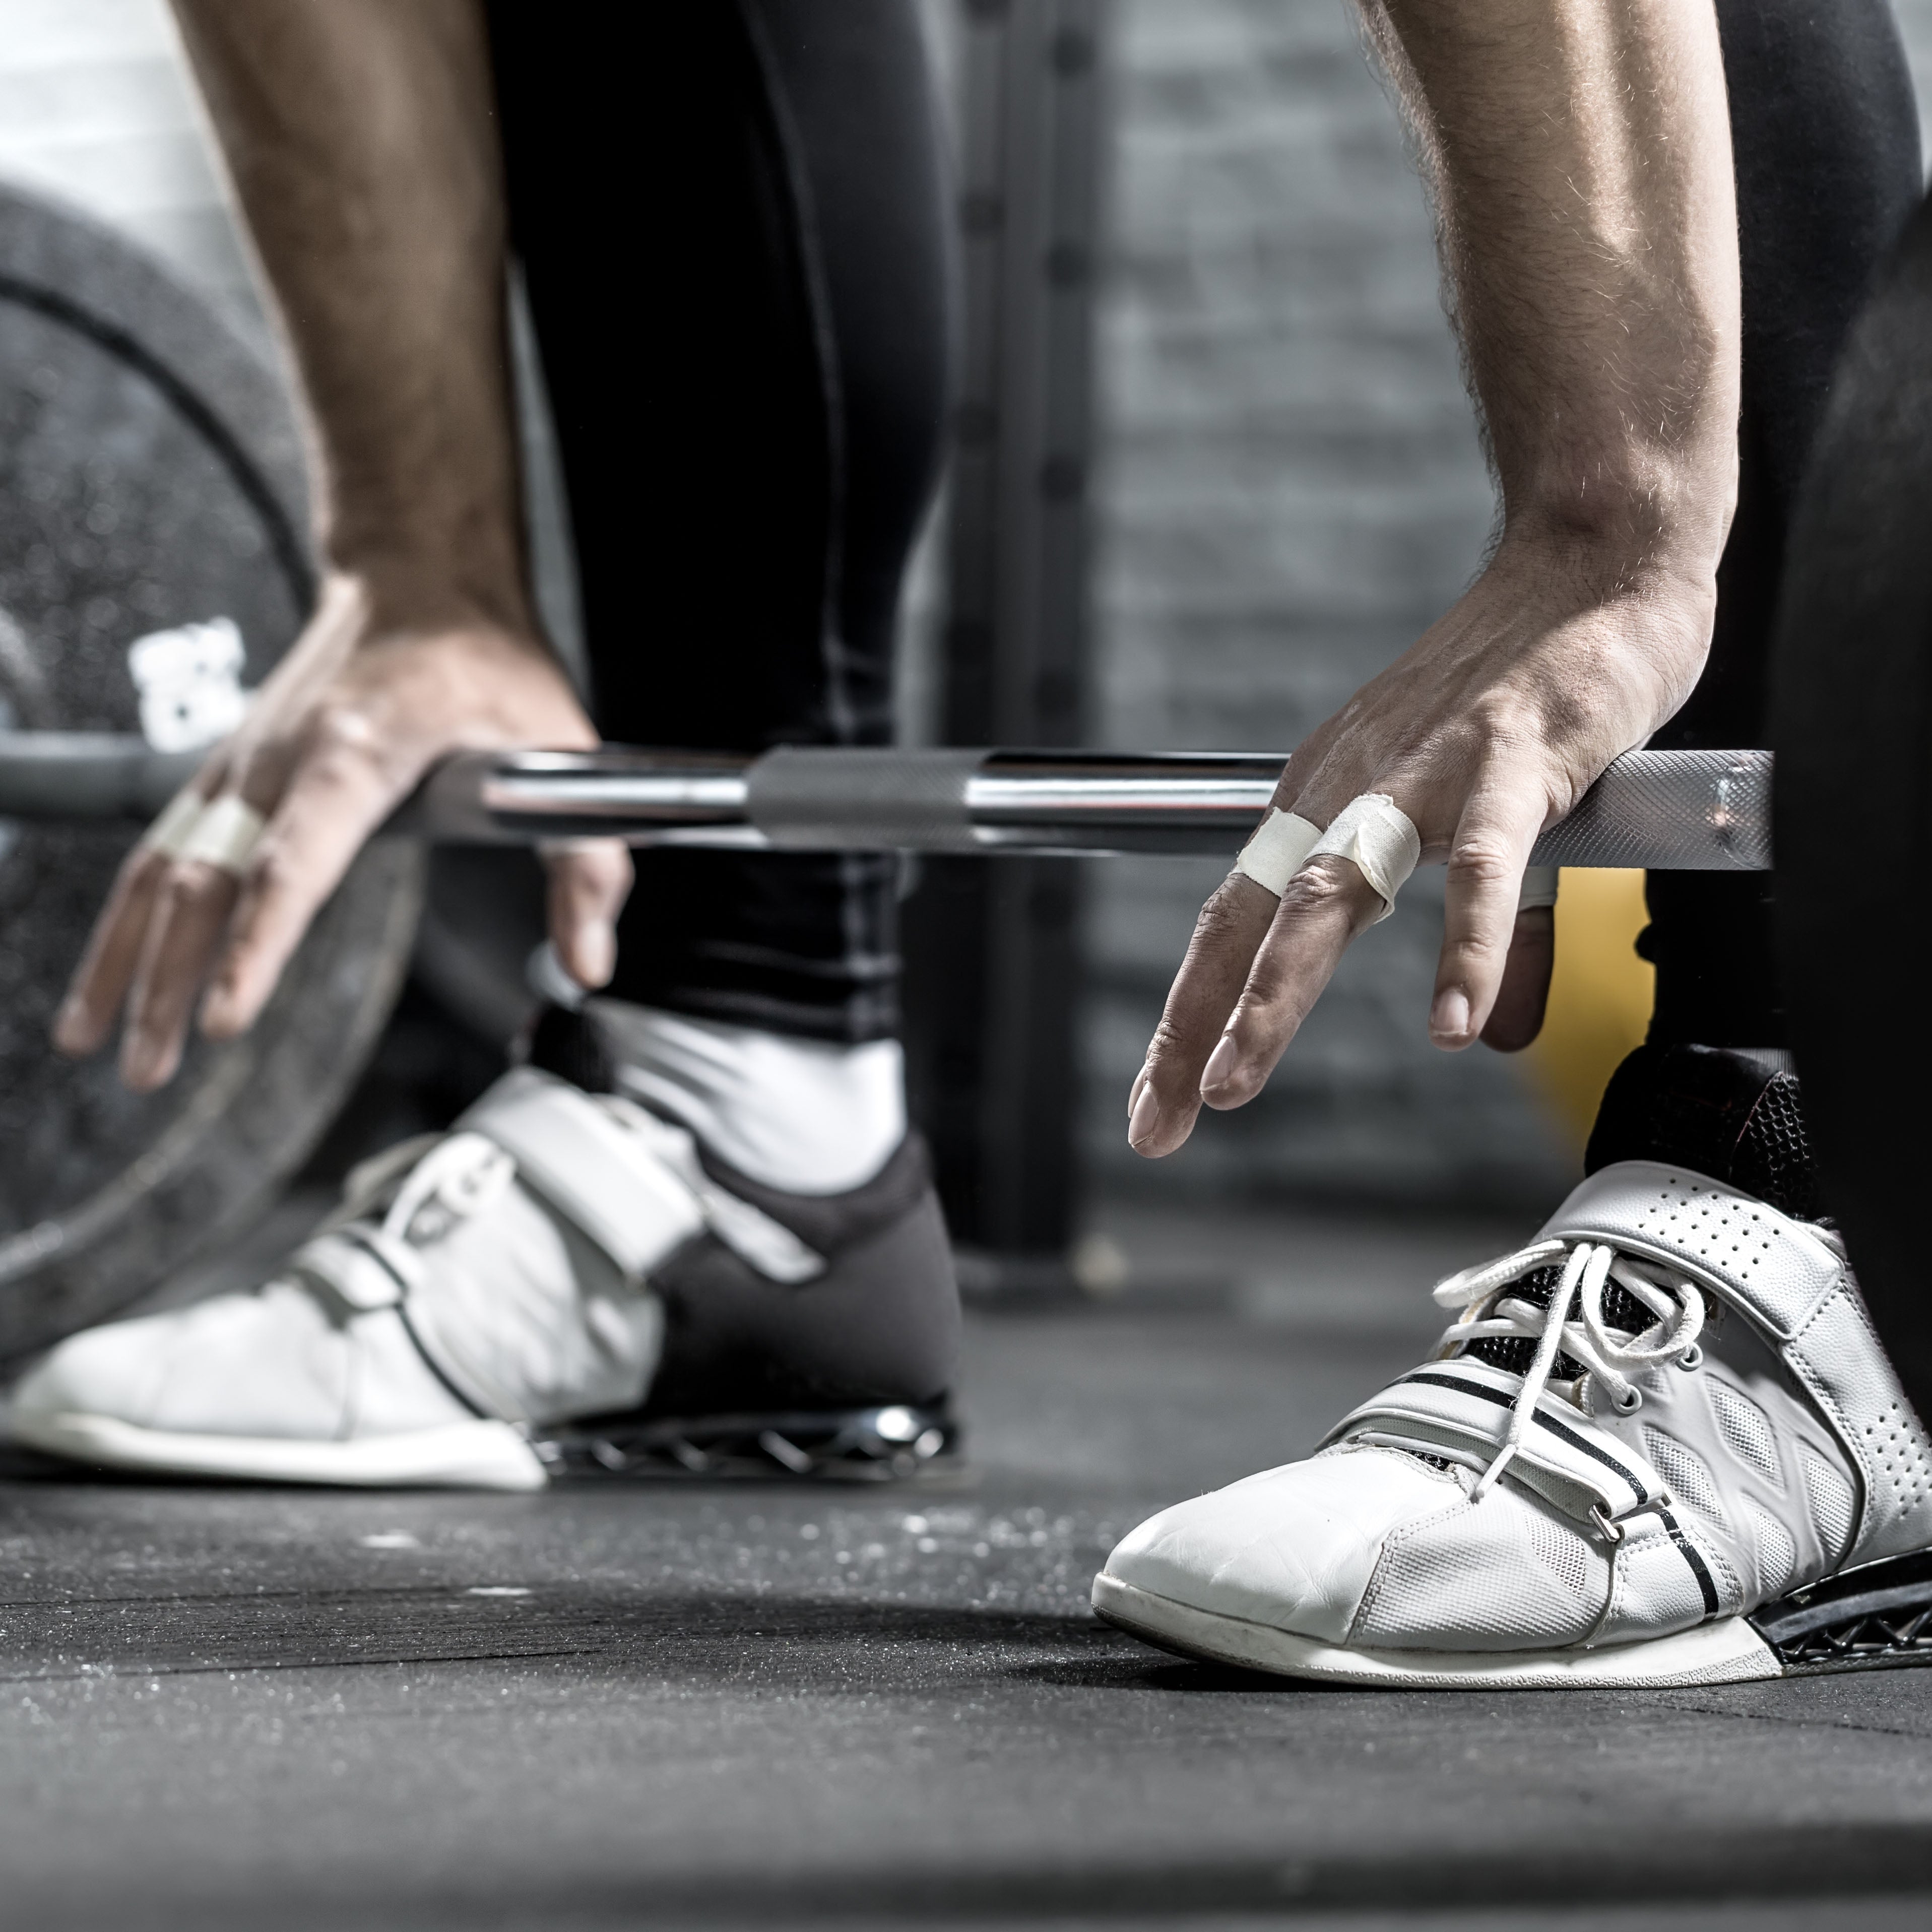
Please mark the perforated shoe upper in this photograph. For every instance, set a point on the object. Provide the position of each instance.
(1790, 1282)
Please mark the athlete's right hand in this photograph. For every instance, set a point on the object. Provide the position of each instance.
(361, 707)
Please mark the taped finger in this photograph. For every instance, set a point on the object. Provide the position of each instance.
(1166, 1097)
(294, 862)
(107, 965)
(1326, 904)
(1379, 839)
(1372, 831)
(224, 833)
(192, 904)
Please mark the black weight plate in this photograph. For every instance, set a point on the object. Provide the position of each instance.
(1852, 727)
(150, 476)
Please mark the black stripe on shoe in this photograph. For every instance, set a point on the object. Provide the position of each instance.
(1542, 1421)
(401, 1305)
(1693, 1555)
(1706, 1588)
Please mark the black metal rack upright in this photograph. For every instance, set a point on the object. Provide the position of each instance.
(994, 950)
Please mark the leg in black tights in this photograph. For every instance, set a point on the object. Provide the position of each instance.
(1825, 133)
(1826, 137)
(732, 227)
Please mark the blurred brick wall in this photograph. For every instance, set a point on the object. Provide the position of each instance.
(1290, 490)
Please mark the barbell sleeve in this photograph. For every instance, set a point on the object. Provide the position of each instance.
(1670, 810)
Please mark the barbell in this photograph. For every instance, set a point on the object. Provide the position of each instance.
(1691, 810)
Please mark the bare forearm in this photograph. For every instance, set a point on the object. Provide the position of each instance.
(1581, 161)
(360, 137)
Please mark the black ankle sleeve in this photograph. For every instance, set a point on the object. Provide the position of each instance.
(566, 1044)
(1720, 1112)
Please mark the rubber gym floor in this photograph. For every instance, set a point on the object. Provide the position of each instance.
(756, 1704)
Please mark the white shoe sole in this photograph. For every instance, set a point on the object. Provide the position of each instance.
(1729, 1652)
(479, 1455)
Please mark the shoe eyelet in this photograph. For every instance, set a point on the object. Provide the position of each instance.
(1692, 1359)
(1629, 1402)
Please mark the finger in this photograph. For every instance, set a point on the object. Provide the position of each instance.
(107, 965)
(1166, 1097)
(192, 903)
(1486, 864)
(590, 880)
(106, 968)
(1326, 904)
(337, 795)
(1516, 1017)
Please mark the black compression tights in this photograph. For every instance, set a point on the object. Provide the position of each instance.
(1826, 135)
(734, 232)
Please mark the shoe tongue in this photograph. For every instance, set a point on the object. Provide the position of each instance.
(1729, 1113)
(1512, 1353)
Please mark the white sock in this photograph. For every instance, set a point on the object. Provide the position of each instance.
(806, 1116)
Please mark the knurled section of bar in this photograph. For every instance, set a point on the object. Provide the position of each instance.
(1670, 812)
(835, 798)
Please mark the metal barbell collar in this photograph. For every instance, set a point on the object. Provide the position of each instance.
(1668, 811)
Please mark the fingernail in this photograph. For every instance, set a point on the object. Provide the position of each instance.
(1145, 1118)
(1134, 1098)
(1450, 1017)
(67, 1031)
(1221, 1064)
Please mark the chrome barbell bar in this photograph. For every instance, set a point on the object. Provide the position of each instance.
(1681, 810)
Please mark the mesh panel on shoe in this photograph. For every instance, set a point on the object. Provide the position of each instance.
(1746, 1430)
(1834, 1505)
(1776, 1553)
(1684, 1473)
(1495, 1575)
(1513, 1354)
(1774, 1159)
(1562, 1552)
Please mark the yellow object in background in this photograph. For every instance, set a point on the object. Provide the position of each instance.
(1600, 993)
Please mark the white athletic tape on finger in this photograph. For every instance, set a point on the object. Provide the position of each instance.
(1539, 887)
(1278, 850)
(169, 833)
(225, 835)
(1379, 838)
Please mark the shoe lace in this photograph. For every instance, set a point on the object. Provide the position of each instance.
(458, 1177)
(1565, 1320)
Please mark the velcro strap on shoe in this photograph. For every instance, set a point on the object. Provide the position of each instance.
(570, 1150)
(746, 1229)
(1467, 1405)
(1775, 1269)
(1794, 1285)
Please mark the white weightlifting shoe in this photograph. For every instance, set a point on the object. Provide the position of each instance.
(1661, 1445)
(474, 1287)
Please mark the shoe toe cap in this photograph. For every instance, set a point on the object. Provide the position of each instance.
(267, 1364)
(1294, 1548)
(113, 1371)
